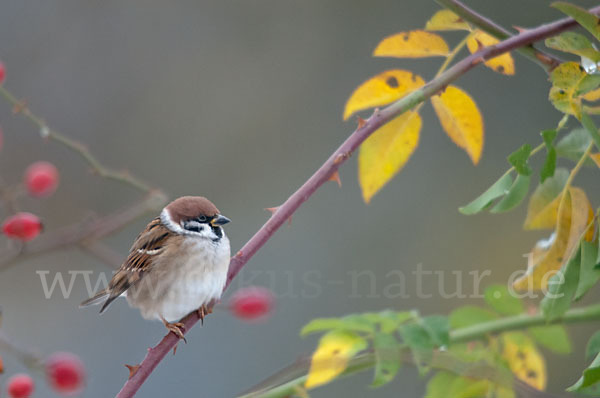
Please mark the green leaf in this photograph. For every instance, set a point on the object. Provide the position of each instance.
(438, 328)
(590, 376)
(515, 195)
(572, 145)
(561, 289)
(574, 43)
(388, 358)
(439, 384)
(419, 341)
(499, 188)
(593, 346)
(583, 17)
(499, 298)
(518, 159)
(588, 274)
(347, 323)
(473, 351)
(550, 163)
(587, 84)
(591, 128)
(549, 136)
(470, 315)
(446, 384)
(553, 337)
(391, 320)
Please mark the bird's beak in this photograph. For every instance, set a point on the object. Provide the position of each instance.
(219, 220)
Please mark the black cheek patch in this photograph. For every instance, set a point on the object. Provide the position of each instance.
(218, 231)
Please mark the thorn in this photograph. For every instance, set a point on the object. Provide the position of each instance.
(520, 29)
(335, 177)
(132, 370)
(441, 90)
(18, 108)
(480, 45)
(361, 122)
(272, 210)
(477, 61)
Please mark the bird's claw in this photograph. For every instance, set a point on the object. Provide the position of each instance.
(202, 312)
(177, 328)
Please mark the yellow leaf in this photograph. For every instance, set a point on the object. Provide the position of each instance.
(382, 89)
(569, 82)
(573, 217)
(502, 64)
(446, 20)
(564, 101)
(543, 204)
(461, 120)
(596, 158)
(524, 360)
(412, 44)
(543, 218)
(384, 153)
(592, 96)
(332, 355)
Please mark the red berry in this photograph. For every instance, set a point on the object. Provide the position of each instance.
(252, 302)
(20, 386)
(2, 72)
(41, 179)
(22, 226)
(65, 373)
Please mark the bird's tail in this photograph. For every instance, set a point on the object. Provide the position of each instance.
(96, 299)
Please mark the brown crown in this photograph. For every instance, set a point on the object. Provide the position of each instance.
(188, 207)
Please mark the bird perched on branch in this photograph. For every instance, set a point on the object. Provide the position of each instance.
(178, 264)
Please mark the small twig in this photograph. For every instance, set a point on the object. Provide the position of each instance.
(323, 174)
(83, 232)
(545, 60)
(75, 146)
(26, 356)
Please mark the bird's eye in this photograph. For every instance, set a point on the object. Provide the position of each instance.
(202, 219)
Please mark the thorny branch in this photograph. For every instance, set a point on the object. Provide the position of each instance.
(545, 60)
(330, 167)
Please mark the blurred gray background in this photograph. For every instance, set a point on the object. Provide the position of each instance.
(241, 101)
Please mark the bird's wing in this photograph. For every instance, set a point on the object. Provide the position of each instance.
(148, 244)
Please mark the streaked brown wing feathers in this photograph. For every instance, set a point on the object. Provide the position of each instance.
(149, 243)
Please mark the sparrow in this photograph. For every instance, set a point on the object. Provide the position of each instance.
(178, 264)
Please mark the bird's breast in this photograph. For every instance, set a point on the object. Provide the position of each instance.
(185, 282)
